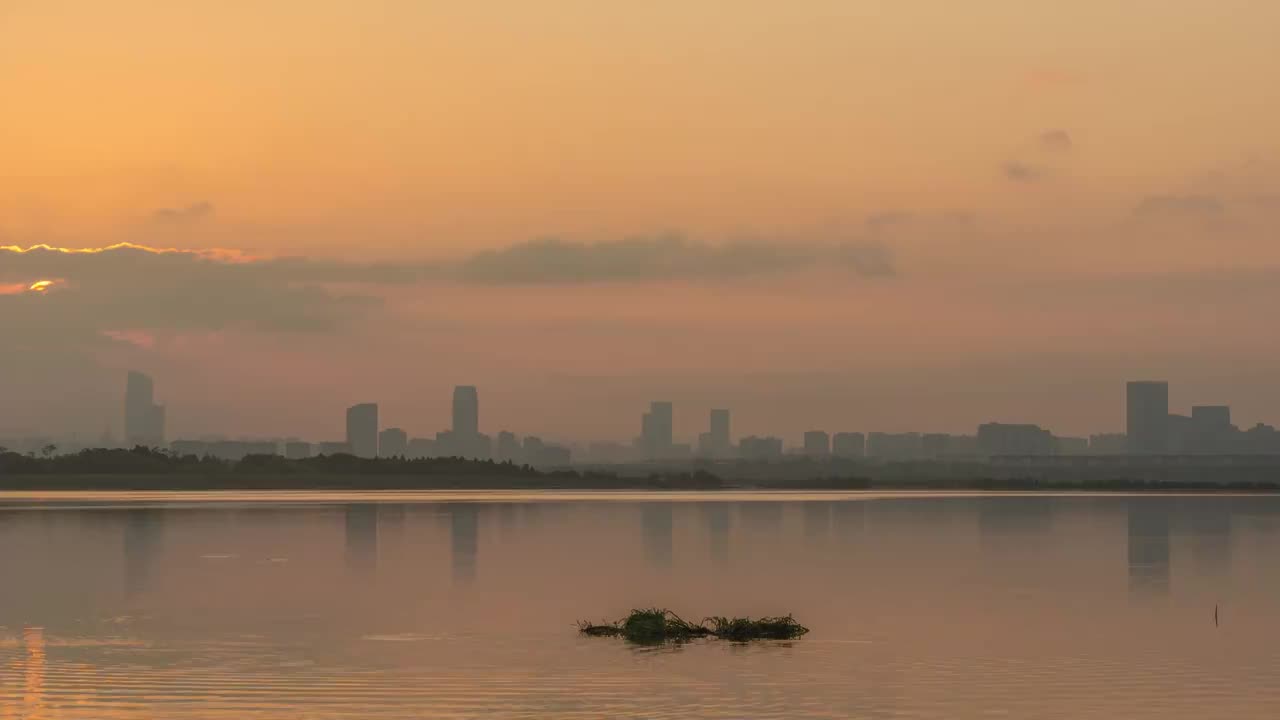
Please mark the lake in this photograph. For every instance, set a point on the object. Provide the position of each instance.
(455, 605)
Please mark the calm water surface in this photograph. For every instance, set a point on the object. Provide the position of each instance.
(428, 605)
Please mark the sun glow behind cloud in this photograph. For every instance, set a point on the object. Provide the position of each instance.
(39, 286)
(220, 254)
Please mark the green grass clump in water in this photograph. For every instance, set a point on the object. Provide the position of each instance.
(653, 626)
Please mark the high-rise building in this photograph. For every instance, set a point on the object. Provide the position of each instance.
(464, 438)
(1147, 417)
(848, 445)
(297, 450)
(656, 431)
(817, 444)
(143, 418)
(466, 411)
(362, 430)
(719, 439)
(392, 442)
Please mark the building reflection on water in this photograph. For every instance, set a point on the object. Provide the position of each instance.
(849, 518)
(1206, 523)
(715, 515)
(817, 521)
(142, 531)
(1149, 555)
(464, 539)
(761, 517)
(657, 527)
(362, 538)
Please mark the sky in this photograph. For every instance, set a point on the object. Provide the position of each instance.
(836, 214)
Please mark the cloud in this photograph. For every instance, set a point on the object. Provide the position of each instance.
(1021, 172)
(127, 287)
(1056, 141)
(1191, 206)
(555, 261)
(193, 213)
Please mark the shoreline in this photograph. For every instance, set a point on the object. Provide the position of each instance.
(178, 483)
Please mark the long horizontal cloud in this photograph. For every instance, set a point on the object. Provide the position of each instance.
(1191, 205)
(130, 286)
(670, 258)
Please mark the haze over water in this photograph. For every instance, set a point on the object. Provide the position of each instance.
(371, 605)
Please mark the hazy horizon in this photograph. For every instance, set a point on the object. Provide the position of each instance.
(842, 215)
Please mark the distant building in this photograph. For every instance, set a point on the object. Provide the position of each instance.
(706, 448)
(420, 448)
(817, 444)
(464, 439)
(471, 447)
(466, 410)
(507, 448)
(848, 445)
(1179, 434)
(1147, 417)
(143, 418)
(1212, 431)
(894, 446)
(1108, 444)
(184, 448)
(760, 448)
(1071, 446)
(333, 447)
(555, 456)
(262, 447)
(609, 452)
(1013, 439)
(1211, 417)
(297, 450)
(362, 430)
(229, 450)
(934, 445)
(393, 442)
(657, 431)
(1259, 440)
(540, 454)
(532, 446)
(715, 443)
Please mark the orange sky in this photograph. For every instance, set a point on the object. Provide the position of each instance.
(1000, 150)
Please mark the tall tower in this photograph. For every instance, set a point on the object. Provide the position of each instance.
(362, 430)
(657, 429)
(466, 411)
(720, 431)
(1147, 417)
(143, 419)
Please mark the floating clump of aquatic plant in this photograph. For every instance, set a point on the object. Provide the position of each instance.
(652, 626)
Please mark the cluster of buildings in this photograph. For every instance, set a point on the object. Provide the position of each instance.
(366, 438)
(1150, 430)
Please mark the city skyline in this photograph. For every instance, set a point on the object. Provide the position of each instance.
(1151, 429)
